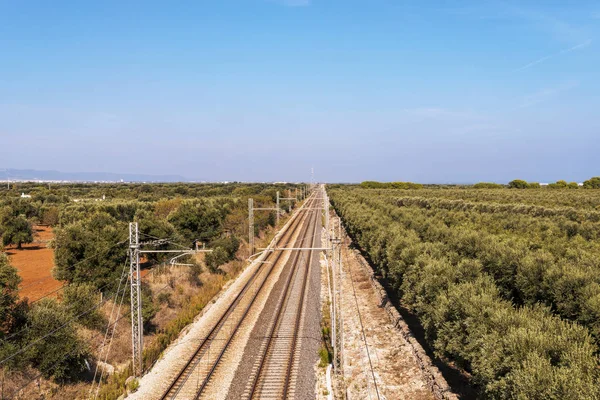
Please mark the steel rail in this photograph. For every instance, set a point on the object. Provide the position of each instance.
(237, 326)
(278, 320)
(299, 315)
(179, 381)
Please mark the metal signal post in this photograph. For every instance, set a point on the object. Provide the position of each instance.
(251, 210)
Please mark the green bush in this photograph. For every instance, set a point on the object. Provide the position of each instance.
(593, 183)
(61, 355)
(518, 184)
(80, 298)
(9, 295)
(216, 258)
(487, 185)
(88, 251)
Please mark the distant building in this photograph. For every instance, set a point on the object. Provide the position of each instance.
(25, 196)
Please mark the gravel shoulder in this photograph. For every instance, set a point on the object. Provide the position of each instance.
(370, 335)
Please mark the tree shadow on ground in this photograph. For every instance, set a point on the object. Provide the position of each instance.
(456, 378)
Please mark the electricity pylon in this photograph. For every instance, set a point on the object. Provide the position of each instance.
(137, 321)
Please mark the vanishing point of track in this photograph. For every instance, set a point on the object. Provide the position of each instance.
(209, 353)
(273, 372)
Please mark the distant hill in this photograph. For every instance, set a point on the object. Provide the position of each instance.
(31, 174)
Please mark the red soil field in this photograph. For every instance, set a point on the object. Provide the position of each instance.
(34, 263)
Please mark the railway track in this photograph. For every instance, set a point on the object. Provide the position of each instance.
(196, 375)
(273, 375)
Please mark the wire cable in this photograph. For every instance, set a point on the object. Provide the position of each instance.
(29, 345)
(362, 328)
(123, 274)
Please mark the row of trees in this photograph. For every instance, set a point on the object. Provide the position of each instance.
(577, 199)
(521, 184)
(512, 246)
(487, 288)
(593, 183)
(571, 213)
(390, 185)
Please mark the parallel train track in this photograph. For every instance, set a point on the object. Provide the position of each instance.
(196, 375)
(273, 376)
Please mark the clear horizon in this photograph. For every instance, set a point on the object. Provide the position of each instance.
(263, 90)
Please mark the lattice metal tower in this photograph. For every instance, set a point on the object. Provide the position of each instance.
(251, 224)
(137, 326)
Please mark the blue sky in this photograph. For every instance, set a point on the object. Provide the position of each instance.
(428, 91)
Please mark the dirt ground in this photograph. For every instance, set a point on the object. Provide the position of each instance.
(395, 372)
(34, 263)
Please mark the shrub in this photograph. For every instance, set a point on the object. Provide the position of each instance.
(487, 185)
(216, 258)
(164, 298)
(593, 183)
(16, 230)
(81, 298)
(518, 184)
(9, 294)
(88, 252)
(194, 274)
(61, 355)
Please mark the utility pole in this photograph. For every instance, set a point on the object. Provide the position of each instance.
(137, 326)
(251, 210)
(326, 208)
(338, 360)
(278, 207)
(251, 223)
(137, 322)
(290, 200)
(337, 321)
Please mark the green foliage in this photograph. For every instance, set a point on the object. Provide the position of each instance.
(230, 244)
(487, 185)
(79, 299)
(164, 298)
(91, 248)
(194, 274)
(9, 295)
(50, 215)
(324, 357)
(88, 252)
(390, 185)
(593, 183)
(475, 265)
(60, 355)
(197, 220)
(133, 385)
(216, 258)
(151, 227)
(15, 229)
(518, 184)
(149, 308)
(558, 185)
